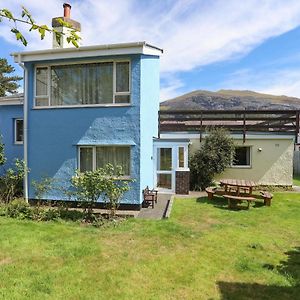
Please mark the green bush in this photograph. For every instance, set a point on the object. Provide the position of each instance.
(19, 209)
(105, 183)
(212, 158)
(11, 183)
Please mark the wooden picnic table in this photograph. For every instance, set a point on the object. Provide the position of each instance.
(245, 185)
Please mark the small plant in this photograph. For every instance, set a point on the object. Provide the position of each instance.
(211, 159)
(42, 187)
(11, 183)
(2, 157)
(114, 188)
(19, 209)
(103, 182)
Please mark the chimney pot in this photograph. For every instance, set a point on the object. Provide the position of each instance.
(67, 10)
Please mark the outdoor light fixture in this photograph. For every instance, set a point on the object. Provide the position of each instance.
(259, 149)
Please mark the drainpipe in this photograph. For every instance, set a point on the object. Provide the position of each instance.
(25, 125)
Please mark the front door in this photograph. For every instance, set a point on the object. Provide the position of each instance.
(164, 170)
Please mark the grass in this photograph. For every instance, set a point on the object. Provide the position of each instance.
(204, 251)
(296, 180)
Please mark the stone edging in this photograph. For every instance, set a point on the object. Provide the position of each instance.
(169, 208)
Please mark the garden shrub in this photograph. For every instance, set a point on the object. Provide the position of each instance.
(19, 209)
(105, 183)
(11, 183)
(214, 156)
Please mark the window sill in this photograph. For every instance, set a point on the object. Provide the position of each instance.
(241, 167)
(84, 106)
(18, 143)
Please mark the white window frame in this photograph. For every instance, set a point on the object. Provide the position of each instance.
(15, 131)
(115, 93)
(175, 162)
(94, 158)
(250, 159)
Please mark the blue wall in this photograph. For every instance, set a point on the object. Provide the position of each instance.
(12, 151)
(55, 133)
(148, 117)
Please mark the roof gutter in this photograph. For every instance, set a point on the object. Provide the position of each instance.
(25, 126)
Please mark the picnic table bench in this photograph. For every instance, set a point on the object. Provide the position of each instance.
(236, 191)
(234, 200)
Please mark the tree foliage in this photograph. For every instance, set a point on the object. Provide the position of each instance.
(27, 19)
(8, 84)
(2, 156)
(11, 183)
(212, 158)
(102, 183)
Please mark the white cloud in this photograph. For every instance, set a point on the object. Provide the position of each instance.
(276, 82)
(193, 33)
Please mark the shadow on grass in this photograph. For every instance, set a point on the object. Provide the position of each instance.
(290, 269)
(221, 203)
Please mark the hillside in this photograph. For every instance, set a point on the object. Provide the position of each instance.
(230, 99)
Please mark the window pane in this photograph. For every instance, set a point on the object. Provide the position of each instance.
(164, 181)
(86, 159)
(19, 130)
(164, 161)
(82, 84)
(117, 156)
(41, 82)
(122, 77)
(242, 156)
(41, 101)
(181, 157)
(122, 98)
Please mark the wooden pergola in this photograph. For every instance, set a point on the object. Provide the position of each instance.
(235, 121)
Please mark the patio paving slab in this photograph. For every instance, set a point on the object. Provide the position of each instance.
(159, 209)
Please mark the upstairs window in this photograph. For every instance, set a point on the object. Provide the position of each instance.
(18, 132)
(242, 157)
(105, 83)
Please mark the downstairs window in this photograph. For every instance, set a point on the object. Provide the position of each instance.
(93, 157)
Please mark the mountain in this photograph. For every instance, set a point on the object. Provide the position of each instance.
(230, 100)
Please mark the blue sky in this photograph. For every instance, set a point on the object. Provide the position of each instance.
(208, 45)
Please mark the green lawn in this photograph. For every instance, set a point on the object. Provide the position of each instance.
(204, 251)
(296, 180)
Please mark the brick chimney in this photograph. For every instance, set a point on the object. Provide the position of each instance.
(63, 29)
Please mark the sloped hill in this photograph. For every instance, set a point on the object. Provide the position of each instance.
(230, 99)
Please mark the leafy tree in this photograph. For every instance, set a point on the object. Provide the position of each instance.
(212, 158)
(42, 29)
(2, 157)
(8, 84)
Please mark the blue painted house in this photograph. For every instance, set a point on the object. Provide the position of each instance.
(86, 107)
(11, 128)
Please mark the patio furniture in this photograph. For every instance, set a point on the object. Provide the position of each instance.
(267, 197)
(150, 196)
(234, 200)
(243, 187)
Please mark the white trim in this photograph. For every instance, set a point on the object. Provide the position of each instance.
(252, 136)
(114, 92)
(175, 148)
(88, 51)
(15, 132)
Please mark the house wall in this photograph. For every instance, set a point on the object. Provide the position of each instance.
(148, 117)
(272, 166)
(12, 151)
(55, 133)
